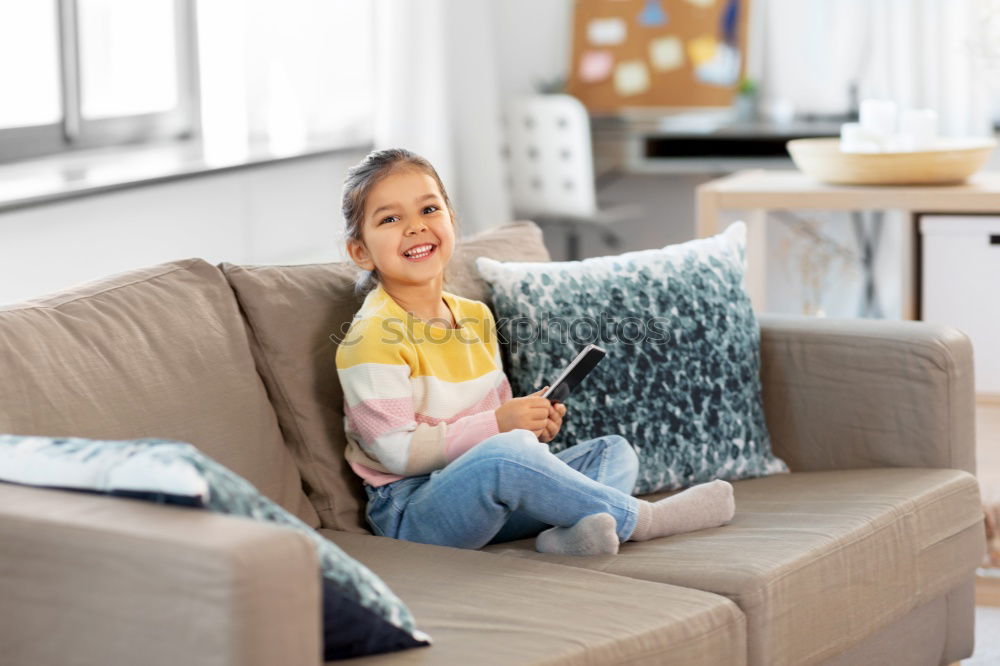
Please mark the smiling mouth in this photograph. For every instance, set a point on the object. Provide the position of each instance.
(420, 252)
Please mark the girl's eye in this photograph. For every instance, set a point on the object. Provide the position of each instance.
(431, 208)
(388, 219)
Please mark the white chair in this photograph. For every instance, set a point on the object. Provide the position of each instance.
(551, 168)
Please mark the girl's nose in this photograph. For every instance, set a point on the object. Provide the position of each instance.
(416, 226)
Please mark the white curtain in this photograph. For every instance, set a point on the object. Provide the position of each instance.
(284, 73)
(921, 56)
(437, 94)
(918, 53)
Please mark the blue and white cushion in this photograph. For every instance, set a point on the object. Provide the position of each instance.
(681, 378)
(361, 614)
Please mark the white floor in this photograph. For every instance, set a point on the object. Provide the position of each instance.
(988, 451)
(987, 652)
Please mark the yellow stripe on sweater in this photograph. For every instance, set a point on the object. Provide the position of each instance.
(381, 335)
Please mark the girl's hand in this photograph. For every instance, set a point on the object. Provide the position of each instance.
(556, 412)
(529, 413)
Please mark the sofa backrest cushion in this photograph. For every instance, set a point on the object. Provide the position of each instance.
(156, 352)
(295, 315)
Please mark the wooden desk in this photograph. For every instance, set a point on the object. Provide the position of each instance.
(758, 191)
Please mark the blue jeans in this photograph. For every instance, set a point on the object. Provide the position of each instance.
(507, 487)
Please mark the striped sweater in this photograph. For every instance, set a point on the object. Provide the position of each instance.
(417, 396)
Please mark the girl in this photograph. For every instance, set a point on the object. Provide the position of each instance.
(446, 454)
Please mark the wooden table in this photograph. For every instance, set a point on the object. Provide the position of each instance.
(758, 191)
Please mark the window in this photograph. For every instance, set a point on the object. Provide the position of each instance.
(88, 73)
(30, 84)
(91, 73)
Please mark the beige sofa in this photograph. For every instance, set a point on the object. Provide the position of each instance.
(864, 554)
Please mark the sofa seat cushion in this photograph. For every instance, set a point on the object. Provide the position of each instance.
(155, 352)
(817, 561)
(484, 609)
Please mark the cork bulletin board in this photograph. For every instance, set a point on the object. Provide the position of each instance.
(657, 53)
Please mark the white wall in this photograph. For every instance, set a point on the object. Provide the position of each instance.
(283, 213)
(533, 43)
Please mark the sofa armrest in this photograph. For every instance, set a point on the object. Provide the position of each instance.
(846, 394)
(91, 579)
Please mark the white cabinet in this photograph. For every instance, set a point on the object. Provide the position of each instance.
(960, 285)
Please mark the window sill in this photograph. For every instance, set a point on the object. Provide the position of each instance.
(88, 172)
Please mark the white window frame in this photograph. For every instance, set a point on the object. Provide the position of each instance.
(75, 133)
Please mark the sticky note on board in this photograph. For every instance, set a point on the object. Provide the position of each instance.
(666, 53)
(606, 31)
(595, 66)
(701, 49)
(723, 69)
(631, 78)
(652, 14)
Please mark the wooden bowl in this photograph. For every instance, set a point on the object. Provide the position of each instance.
(953, 162)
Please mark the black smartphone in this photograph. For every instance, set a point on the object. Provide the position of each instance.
(574, 373)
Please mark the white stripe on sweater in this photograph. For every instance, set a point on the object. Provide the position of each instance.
(431, 396)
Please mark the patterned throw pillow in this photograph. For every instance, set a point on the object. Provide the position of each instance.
(681, 380)
(361, 614)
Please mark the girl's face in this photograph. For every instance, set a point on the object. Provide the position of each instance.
(407, 230)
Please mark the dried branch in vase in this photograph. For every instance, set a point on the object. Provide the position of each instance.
(819, 257)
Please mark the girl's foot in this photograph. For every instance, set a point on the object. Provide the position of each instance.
(592, 535)
(706, 505)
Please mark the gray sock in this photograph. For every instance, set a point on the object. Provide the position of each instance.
(705, 505)
(592, 535)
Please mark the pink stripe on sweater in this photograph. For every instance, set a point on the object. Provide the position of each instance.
(474, 429)
(478, 422)
(504, 390)
(373, 477)
(371, 418)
